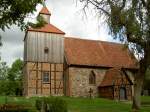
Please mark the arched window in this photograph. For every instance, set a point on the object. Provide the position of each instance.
(92, 78)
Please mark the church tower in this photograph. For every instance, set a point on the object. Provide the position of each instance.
(44, 58)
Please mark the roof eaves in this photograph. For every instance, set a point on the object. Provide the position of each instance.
(46, 31)
(45, 13)
(101, 66)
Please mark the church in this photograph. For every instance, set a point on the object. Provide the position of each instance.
(56, 65)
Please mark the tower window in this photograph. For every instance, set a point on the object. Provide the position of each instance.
(46, 50)
(45, 77)
(92, 78)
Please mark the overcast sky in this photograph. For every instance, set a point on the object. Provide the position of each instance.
(68, 16)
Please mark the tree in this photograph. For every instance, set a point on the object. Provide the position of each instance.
(129, 20)
(39, 22)
(3, 70)
(3, 77)
(147, 82)
(0, 41)
(15, 76)
(15, 11)
(11, 82)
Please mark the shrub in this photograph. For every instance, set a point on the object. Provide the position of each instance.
(52, 104)
(38, 104)
(13, 108)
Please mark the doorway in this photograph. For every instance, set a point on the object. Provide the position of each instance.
(123, 93)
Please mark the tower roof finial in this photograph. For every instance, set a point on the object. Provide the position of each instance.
(44, 5)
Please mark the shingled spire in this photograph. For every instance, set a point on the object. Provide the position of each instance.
(45, 13)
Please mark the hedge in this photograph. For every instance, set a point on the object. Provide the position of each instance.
(52, 104)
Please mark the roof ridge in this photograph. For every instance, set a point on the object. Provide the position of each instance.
(79, 38)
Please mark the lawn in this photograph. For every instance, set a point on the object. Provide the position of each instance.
(85, 104)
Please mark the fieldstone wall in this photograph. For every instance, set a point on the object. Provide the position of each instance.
(79, 81)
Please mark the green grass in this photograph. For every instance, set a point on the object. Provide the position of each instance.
(85, 104)
(96, 105)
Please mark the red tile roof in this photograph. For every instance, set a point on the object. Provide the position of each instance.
(44, 10)
(111, 76)
(47, 28)
(98, 53)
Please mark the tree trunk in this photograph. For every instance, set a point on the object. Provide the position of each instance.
(137, 93)
(138, 84)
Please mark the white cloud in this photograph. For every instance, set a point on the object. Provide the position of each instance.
(10, 52)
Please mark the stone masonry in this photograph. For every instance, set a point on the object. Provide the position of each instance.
(79, 81)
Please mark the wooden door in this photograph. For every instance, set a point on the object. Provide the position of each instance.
(122, 93)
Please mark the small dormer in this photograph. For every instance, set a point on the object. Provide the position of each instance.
(45, 13)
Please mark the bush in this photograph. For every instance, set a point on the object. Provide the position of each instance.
(13, 108)
(39, 104)
(52, 104)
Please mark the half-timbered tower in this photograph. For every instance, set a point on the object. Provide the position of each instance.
(43, 57)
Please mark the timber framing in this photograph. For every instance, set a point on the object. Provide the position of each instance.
(36, 84)
(114, 91)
